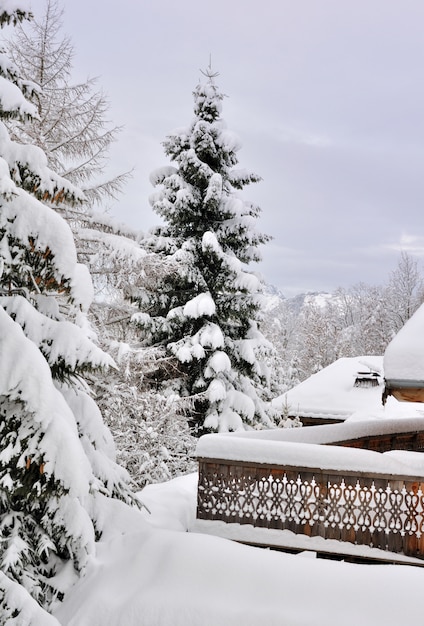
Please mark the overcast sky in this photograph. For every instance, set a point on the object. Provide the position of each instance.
(327, 97)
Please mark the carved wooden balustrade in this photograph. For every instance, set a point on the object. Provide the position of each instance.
(375, 509)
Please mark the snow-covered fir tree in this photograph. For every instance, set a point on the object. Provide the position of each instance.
(57, 457)
(204, 311)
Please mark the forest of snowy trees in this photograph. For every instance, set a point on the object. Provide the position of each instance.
(155, 338)
(311, 331)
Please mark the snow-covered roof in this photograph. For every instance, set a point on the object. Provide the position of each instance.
(404, 356)
(332, 394)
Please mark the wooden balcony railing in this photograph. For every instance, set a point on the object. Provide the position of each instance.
(336, 501)
(380, 511)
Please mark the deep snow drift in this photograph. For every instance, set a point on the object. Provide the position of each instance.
(149, 572)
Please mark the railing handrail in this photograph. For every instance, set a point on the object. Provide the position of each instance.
(316, 470)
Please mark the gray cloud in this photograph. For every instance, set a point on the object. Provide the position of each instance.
(327, 98)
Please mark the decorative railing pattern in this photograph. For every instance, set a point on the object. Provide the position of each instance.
(379, 511)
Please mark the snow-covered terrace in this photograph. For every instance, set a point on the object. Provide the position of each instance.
(303, 488)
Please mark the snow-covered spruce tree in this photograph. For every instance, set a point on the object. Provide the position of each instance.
(56, 457)
(205, 309)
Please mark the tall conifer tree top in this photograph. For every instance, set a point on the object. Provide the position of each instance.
(205, 310)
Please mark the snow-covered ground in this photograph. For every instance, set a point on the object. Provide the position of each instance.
(149, 571)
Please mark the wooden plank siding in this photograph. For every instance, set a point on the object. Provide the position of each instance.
(412, 441)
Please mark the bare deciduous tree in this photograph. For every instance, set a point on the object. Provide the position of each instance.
(72, 126)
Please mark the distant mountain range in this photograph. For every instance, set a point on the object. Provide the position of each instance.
(275, 297)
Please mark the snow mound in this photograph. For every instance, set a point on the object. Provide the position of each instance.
(199, 306)
(147, 576)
